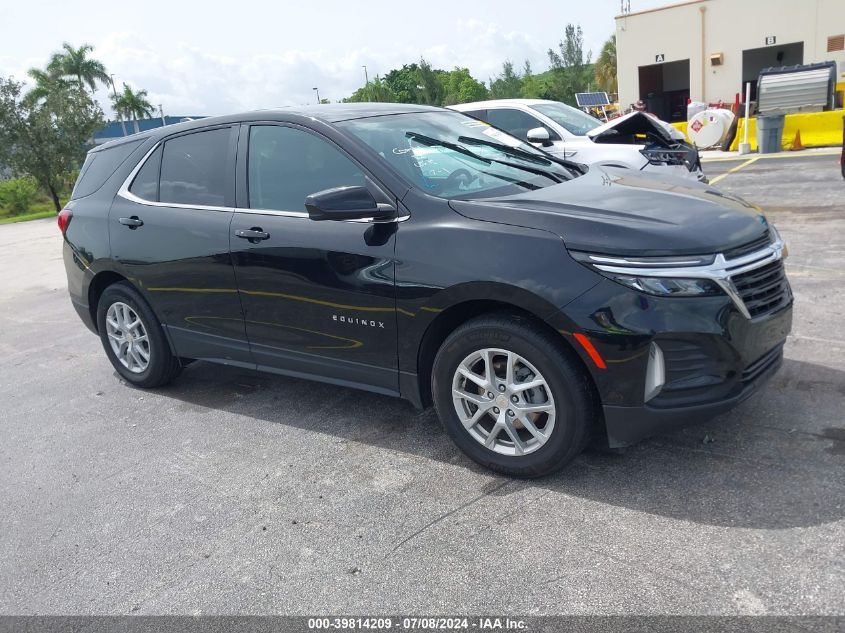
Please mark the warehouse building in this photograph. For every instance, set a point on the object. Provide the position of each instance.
(707, 50)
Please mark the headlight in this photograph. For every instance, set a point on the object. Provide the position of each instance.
(777, 238)
(669, 286)
(660, 156)
(657, 276)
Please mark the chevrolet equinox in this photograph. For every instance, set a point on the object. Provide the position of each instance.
(414, 251)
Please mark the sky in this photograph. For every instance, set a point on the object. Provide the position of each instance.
(212, 57)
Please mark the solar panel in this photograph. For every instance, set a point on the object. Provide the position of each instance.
(591, 99)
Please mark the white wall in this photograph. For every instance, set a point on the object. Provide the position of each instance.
(730, 26)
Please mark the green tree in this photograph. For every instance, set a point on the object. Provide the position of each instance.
(132, 105)
(605, 70)
(76, 63)
(403, 83)
(10, 98)
(431, 88)
(508, 83)
(45, 83)
(47, 138)
(461, 87)
(376, 90)
(570, 68)
(16, 194)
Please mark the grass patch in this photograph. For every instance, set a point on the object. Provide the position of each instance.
(43, 208)
(25, 217)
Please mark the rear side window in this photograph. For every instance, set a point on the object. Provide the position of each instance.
(98, 166)
(193, 169)
(286, 165)
(145, 184)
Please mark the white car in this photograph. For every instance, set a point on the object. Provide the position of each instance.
(633, 141)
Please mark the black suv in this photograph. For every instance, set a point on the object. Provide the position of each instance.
(417, 252)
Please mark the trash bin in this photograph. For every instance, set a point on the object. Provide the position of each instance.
(769, 133)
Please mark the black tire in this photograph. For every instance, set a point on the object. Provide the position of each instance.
(163, 365)
(575, 408)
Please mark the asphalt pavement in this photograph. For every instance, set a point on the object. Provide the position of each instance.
(232, 491)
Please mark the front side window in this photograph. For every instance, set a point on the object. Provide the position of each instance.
(516, 122)
(193, 169)
(450, 155)
(285, 165)
(569, 118)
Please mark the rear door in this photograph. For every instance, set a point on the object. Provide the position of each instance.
(318, 297)
(169, 231)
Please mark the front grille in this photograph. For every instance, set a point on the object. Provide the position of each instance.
(764, 289)
(750, 247)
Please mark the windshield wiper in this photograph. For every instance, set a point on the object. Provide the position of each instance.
(432, 142)
(548, 159)
(506, 149)
(428, 140)
(514, 181)
(517, 153)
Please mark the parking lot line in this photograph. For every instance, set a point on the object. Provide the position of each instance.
(832, 151)
(713, 181)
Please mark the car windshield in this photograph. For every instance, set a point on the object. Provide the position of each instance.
(451, 155)
(575, 121)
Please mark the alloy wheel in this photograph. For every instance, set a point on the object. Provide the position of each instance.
(128, 337)
(503, 401)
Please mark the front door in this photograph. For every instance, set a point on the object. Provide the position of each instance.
(169, 230)
(318, 297)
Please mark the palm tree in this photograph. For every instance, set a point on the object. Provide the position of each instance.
(132, 105)
(606, 66)
(45, 84)
(75, 62)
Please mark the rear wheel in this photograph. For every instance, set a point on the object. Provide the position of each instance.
(511, 397)
(133, 338)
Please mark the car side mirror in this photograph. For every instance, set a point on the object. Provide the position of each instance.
(347, 203)
(539, 135)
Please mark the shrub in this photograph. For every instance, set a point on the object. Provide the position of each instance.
(17, 194)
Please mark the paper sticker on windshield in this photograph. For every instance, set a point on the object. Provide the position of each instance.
(501, 137)
(475, 123)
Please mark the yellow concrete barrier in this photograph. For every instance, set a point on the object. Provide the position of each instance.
(818, 129)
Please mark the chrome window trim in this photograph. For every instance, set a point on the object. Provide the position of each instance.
(124, 193)
(304, 215)
(721, 271)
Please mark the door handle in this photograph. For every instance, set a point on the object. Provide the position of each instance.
(133, 223)
(254, 235)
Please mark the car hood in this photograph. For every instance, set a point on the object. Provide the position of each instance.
(621, 212)
(635, 123)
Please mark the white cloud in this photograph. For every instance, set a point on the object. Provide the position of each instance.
(188, 80)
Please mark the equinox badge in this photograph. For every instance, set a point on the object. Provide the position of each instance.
(357, 321)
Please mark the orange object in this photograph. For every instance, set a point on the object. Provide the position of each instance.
(796, 143)
(592, 351)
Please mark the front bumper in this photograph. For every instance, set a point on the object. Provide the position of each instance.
(625, 426)
(715, 357)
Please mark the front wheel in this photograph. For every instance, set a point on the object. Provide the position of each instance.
(133, 338)
(511, 397)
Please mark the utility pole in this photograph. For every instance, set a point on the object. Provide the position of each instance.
(161, 114)
(318, 95)
(366, 78)
(119, 115)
